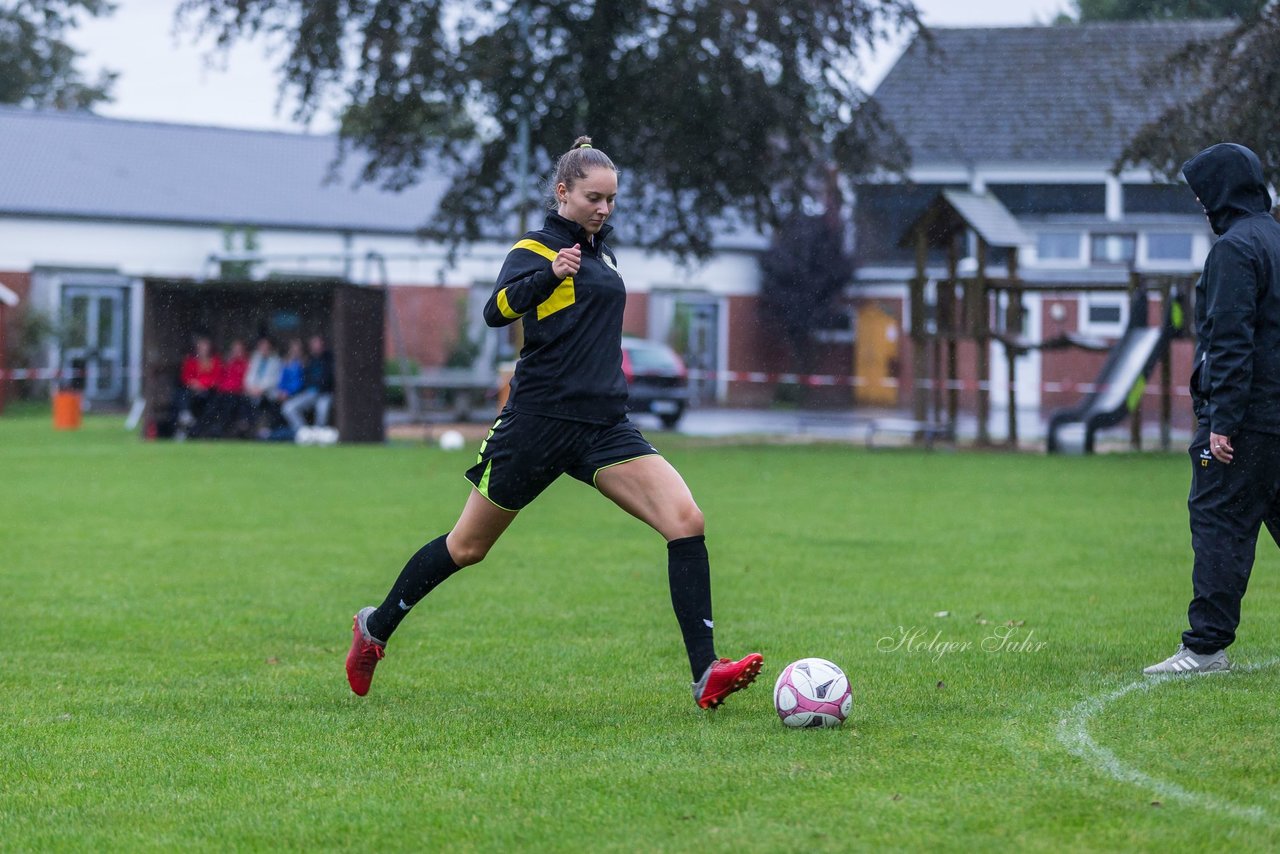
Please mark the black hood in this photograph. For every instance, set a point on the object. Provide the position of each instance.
(1227, 179)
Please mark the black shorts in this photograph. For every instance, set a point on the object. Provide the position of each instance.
(524, 453)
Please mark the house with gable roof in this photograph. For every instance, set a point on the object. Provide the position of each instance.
(93, 209)
(1035, 118)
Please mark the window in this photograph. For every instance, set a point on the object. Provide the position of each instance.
(1058, 246)
(1112, 248)
(1168, 246)
(651, 357)
(834, 325)
(1160, 199)
(1045, 199)
(1103, 314)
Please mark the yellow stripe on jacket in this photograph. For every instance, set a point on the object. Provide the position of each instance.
(562, 297)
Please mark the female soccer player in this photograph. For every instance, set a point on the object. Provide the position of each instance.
(566, 413)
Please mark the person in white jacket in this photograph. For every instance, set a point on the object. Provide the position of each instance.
(260, 381)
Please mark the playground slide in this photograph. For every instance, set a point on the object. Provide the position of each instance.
(1119, 387)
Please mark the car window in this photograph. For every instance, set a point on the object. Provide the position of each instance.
(646, 357)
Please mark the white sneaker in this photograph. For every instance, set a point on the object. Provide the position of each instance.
(1186, 662)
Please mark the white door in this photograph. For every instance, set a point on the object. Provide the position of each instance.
(94, 340)
(690, 322)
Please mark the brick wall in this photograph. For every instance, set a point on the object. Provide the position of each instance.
(752, 347)
(20, 284)
(428, 319)
(635, 319)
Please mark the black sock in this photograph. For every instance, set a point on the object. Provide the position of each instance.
(689, 572)
(428, 567)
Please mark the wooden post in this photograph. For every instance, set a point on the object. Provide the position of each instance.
(4, 379)
(1166, 372)
(982, 337)
(953, 277)
(1013, 326)
(935, 356)
(1135, 426)
(919, 358)
(1135, 418)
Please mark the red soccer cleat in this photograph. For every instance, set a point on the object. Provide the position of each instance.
(364, 655)
(724, 677)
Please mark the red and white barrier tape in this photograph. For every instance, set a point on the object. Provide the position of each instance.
(811, 380)
(816, 380)
(40, 374)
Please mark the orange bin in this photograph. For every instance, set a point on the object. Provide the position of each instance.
(66, 410)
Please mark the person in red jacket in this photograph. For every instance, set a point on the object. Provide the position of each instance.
(201, 372)
(230, 416)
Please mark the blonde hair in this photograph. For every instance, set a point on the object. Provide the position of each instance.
(575, 163)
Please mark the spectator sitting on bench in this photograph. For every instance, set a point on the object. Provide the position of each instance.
(317, 388)
(261, 382)
(290, 384)
(290, 372)
(228, 403)
(198, 382)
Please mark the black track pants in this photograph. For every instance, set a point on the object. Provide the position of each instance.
(1228, 505)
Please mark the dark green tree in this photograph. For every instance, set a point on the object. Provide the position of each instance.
(806, 266)
(38, 68)
(711, 108)
(1164, 10)
(1226, 89)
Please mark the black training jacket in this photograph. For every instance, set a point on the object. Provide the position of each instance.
(1235, 383)
(571, 363)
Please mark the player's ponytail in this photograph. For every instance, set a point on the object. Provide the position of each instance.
(575, 163)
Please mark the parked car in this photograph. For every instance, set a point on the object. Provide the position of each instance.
(657, 378)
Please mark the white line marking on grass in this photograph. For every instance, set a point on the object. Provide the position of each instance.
(1073, 733)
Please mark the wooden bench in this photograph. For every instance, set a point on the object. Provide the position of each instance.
(462, 391)
(930, 431)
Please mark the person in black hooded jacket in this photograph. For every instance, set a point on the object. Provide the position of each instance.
(566, 414)
(1235, 391)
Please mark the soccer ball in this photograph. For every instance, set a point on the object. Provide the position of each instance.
(452, 440)
(316, 436)
(812, 692)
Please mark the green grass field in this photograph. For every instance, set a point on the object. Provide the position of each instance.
(176, 615)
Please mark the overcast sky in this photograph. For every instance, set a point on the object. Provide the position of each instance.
(167, 76)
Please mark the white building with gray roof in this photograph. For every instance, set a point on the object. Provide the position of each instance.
(91, 207)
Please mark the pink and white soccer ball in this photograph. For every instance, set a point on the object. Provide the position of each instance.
(812, 692)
